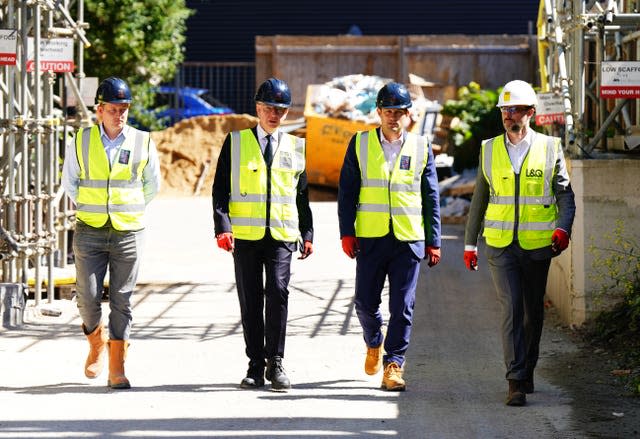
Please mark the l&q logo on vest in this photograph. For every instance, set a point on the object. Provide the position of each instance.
(620, 79)
(56, 55)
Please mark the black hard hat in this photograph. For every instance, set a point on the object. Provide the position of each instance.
(274, 92)
(393, 95)
(113, 91)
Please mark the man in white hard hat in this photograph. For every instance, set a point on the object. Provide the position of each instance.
(524, 196)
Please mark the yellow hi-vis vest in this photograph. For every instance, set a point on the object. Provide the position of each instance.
(248, 199)
(390, 197)
(532, 203)
(111, 191)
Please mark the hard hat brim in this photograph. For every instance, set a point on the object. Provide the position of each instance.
(274, 104)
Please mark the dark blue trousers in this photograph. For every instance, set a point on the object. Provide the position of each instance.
(263, 303)
(379, 259)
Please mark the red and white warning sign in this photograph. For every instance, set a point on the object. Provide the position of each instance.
(56, 55)
(550, 109)
(8, 45)
(620, 79)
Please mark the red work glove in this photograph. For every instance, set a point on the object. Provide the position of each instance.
(305, 250)
(350, 246)
(433, 256)
(559, 241)
(225, 241)
(471, 259)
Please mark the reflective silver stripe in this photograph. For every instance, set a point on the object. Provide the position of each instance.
(537, 227)
(287, 224)
(364, 156)
(248, 198)
(300, 153)
(501, 225)
(92, 208)
(406, 210)
(488, 157)
(111, 208)
(103, 184)
(247, 221)
(86, 139)
(402, 187)
(137, 155)
(537, 200)
(283, 199)
(370, 207)
(126, 208)
(235, 167)
(549, 165)
(419, 159)
(374, 182)
(98, 184)
(502, 199)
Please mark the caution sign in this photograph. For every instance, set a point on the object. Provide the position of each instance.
(620, 79)
(550, 109)
(8, 46)
(56, 55)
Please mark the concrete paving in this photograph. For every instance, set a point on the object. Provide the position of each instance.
(187, 354)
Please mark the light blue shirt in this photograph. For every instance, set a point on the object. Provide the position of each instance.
(150, 173)
(518, 152)
(262, 136)
(391, 149)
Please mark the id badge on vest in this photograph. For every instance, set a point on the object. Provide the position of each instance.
(123, 156)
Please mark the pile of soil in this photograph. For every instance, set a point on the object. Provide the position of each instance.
(189, 150)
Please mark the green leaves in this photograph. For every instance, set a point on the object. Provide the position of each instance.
(479, 120)
(141, 41)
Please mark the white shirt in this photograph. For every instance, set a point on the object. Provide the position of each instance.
(262, 137)
(71, 168)
(518, 152)
(391, 149)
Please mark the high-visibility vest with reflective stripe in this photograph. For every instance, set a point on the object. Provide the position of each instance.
(248, 200)
(111, 191)
(390, 197)
(534, 198)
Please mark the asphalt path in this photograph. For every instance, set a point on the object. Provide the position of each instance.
(187, 354)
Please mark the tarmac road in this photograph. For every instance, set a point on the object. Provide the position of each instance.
(187, 354)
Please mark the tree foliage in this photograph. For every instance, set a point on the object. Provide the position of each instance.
(141, 41)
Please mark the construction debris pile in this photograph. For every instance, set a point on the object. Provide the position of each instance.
(189, 151)
(455, 196)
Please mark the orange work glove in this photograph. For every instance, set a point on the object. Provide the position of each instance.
(305, 250)
(225, 241)
(433, 256)
(559, 241)
(350, 246)
(471, 259)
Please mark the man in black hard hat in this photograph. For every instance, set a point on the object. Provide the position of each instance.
(111, 171)
(389, 214)
(260, 211)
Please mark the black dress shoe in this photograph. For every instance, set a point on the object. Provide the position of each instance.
(253, 380)
(276, 374)
(516, 396)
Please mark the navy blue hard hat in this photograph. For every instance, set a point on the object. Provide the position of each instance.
(393, 95)
(113, 91)
(274, 92)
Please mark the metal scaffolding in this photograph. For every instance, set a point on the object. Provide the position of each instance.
(35, 215)
(574, 38)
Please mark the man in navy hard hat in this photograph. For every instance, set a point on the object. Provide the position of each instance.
(523, 197)
(111, 171)
(389, 214)
(260, 212)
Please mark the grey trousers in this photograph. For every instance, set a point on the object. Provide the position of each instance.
(520, 279)
(95, 249)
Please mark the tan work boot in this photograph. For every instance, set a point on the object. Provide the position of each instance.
(117, 355)
(392, 377)
(97, 352)
(373, 362)
(516, 396)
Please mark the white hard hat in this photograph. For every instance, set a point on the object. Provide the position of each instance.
(517, 93)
